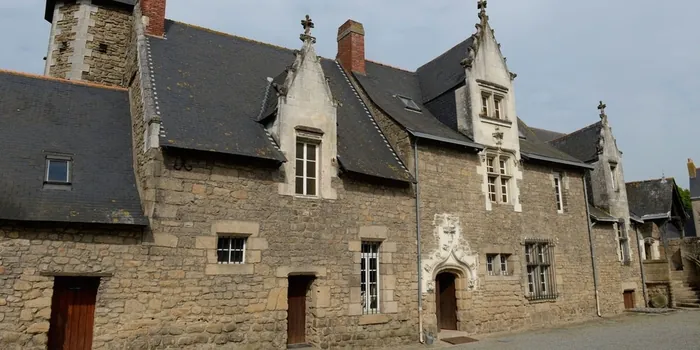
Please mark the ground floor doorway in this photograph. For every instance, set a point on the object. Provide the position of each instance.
(629, 299)
(73, 313)
(446, 300)
(296, 312)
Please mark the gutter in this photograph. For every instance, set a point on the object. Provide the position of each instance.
(657, 216)
(590, 240)
(418, 248)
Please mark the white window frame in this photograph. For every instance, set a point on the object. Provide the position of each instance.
(490, 258)
(370, 250)
(230, 249)
(69, 165)
(498, 176)
(503, 264)
(558, 193)
(485, 103)
(305, 163)
(496, 265)
(623, 243)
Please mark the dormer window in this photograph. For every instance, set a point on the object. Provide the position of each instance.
(58, 170)
(409, 104)
(492, 105)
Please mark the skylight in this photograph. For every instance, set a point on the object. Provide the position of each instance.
(409, 103)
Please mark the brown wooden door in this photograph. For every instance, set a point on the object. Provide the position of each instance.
(296, 312)
(629, 299)
(72, 313)
(446, 301)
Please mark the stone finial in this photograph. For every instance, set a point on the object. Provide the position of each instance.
(308, 24)
(692, 170)
(602, 107)
(481, 6)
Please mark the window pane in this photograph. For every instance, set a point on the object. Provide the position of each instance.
(311, 169)
(299, 185)
(222, 243)
(299, 168)
(237, 243)
(489, 165)
(373, 263)
(300, 150)
(310, 152)
(311, 187)
(58, 170)
(502, 164)
(222, 256)
(237, 256)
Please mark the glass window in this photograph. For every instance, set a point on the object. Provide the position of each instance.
(306, 169)
(540, 278)
(558, 193)
(369, 279)
(58, 170)
(231, 250)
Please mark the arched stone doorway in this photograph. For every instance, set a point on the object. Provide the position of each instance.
(446, 300)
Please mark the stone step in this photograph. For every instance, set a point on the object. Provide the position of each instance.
(690, 305)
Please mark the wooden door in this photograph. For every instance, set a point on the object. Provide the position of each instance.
(72, 313)
(296, 312)
(446, 301)
(629, 299)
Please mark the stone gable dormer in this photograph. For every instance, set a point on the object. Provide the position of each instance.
(305, 125)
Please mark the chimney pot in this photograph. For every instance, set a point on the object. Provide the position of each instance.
(154, 10)
(351, 46)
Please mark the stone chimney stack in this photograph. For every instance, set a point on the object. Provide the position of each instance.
(692, 170)
(351, 46)
(154, 16)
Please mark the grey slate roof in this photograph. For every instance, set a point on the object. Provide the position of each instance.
(650, 197)
(444, 72)
(211, 88)
(547, 135)
(39, 117)
(582, 143)
(532, 146)
(384, 84)
(695, 185)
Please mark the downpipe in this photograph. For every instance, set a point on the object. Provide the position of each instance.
(590, 240)
(641, 267)
(418, 248)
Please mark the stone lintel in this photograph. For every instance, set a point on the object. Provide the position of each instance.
(310, 270)
(373, 232)
(75, 274)
(235, 227)
(629, 285)
(373, 319)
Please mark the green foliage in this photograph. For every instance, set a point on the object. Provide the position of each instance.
(685, 197)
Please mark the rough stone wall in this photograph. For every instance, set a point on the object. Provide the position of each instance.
(614, 277)
(112, 27)
(498, 303)
(63, 35)
(29, 253)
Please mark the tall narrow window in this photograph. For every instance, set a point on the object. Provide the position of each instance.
(497, 107)
(541, 283)
(369, 279)
(558, 193)
(498, 178)
(504, 264)
(485, 104)
(58, 170)
(613, 178)
(306, 168)
(490, 261)
(623, 243)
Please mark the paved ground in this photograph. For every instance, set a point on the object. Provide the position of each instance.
(678, 331)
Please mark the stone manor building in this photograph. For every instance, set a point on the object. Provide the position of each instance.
(170, 186)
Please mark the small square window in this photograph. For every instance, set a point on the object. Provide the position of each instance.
(58, 171)
(410, 104)
(230, 250)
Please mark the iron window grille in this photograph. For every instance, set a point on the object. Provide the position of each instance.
(231, 250)
(541, 281)
(306, 169)
(369, 286)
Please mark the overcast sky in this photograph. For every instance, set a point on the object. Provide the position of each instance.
(642, 57)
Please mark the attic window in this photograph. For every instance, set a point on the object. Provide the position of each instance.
(409, 104)
(58, 170)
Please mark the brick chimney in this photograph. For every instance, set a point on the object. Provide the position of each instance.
(154, 11)
(692, 170)
(351, 46)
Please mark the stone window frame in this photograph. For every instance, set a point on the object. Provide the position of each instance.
(612, 166)
(491, 95)
(231, 249)
(366, 257)
(499, 250)
(497, 265)
(306, 139)
(254, 246)
(388, 302)
(551, 283)
(500, 170)
(624, 249)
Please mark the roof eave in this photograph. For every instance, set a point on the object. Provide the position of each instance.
(656, 216)
(613, 220)
(557, 161)
(422, 135)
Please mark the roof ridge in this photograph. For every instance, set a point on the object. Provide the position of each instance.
(390, 66)
(443, 54)
(576, 131)
(61, 80)
(652, 180)
(214, 31)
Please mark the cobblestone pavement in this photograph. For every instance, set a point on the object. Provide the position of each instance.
(678, 331)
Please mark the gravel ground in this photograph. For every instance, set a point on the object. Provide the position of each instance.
(678, 331)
